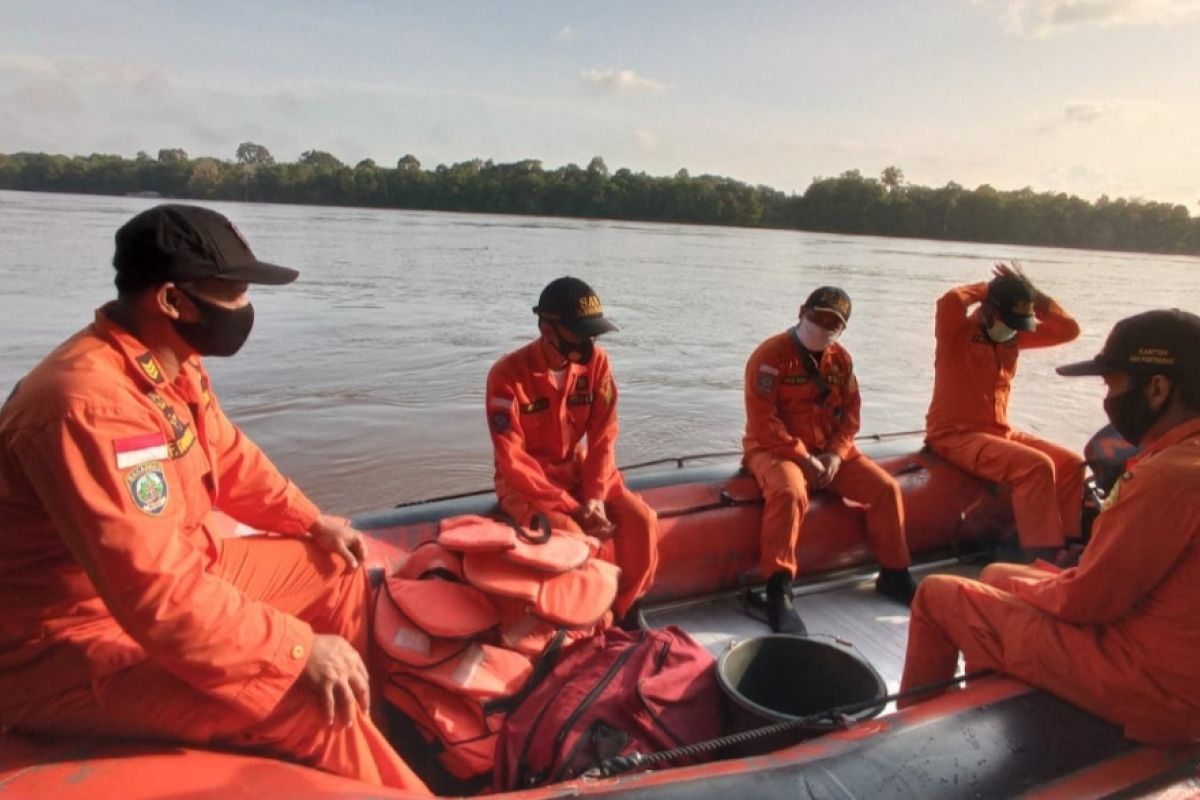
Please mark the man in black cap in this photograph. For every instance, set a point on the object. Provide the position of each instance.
(123, 610)
(1119, 633)
(543, 400)
(967, 423)
(802, 414)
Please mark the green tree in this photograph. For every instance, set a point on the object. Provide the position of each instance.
(892, 178)
(206, 173)
(320, 160)
(251, 153)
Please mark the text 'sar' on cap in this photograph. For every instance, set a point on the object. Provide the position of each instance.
(571, 303)
(181, 243)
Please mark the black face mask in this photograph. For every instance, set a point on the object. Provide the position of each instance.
(220, 331)
(1130, 412)
(578, 352)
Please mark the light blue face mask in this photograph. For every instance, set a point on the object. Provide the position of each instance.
(1000, 333)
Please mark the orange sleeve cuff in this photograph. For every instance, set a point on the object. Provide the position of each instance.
(292, 648)
(302, 513)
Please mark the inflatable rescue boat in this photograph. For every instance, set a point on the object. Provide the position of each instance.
(993, 738)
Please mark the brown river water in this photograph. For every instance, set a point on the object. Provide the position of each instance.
(364, 381)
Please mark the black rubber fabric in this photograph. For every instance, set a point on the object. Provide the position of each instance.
(995, 751)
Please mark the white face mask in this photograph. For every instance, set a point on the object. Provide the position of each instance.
(1000, 333)
(815, 338)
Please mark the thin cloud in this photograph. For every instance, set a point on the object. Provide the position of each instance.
(1085, 112)
(646, 140)
(621, 81)
(567, 34)
(1078, 178)
(1044, 18)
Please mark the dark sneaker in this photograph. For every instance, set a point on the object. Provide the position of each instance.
(896, 584)
(781, 611)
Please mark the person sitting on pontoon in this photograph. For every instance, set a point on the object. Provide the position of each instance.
(967, 423)
(543, 401)
(802, 414)
(1118, 634)
(123, 611)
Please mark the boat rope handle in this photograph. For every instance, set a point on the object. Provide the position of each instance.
(618, 765)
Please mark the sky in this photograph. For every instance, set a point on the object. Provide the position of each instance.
(1089, 97)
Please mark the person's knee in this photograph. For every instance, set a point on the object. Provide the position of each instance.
(1037, 466)
(787, 489)
(935, 594)
(887, 492)
(994, 574)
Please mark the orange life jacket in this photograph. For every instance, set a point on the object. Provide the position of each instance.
(464, 618)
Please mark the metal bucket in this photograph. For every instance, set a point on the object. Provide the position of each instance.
(780, 678)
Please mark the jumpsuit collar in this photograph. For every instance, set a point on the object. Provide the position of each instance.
(1181, 432)
(541, 365)
(141, 363)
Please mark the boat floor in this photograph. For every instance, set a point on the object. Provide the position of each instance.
(845, 608)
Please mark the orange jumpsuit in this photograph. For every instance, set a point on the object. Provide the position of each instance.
(542, 465)
(794, 408)
(1117, 635)
(122, 611)
(967, 423)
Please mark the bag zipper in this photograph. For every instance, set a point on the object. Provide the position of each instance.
(590, 698)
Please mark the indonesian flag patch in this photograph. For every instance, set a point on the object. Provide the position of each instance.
(767, 375)
(500, 411)
(134, 450)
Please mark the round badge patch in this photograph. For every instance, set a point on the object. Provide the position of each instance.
(148, 487)
(500, 422)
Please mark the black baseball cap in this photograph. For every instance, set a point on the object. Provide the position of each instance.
(1161, 342)
(177, 242)
(1012, 297)
(572, 303)
(831, 299)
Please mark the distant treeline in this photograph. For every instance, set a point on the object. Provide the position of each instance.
(849, 203)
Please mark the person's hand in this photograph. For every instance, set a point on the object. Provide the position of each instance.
(1010, 270)
(334, 535)
(336, 672)
(812, 467)
(594, 520)
(830, 463)
(1013, 270)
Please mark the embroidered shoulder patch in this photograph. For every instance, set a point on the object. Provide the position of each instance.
(606, 390)
(500, 422)
(149, 367)
(767, 375)
(148, 487)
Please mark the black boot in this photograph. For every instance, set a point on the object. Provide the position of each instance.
(897, 584)
(634, 619)
(781, 613)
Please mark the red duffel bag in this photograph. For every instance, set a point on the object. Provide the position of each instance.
(608, 695)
